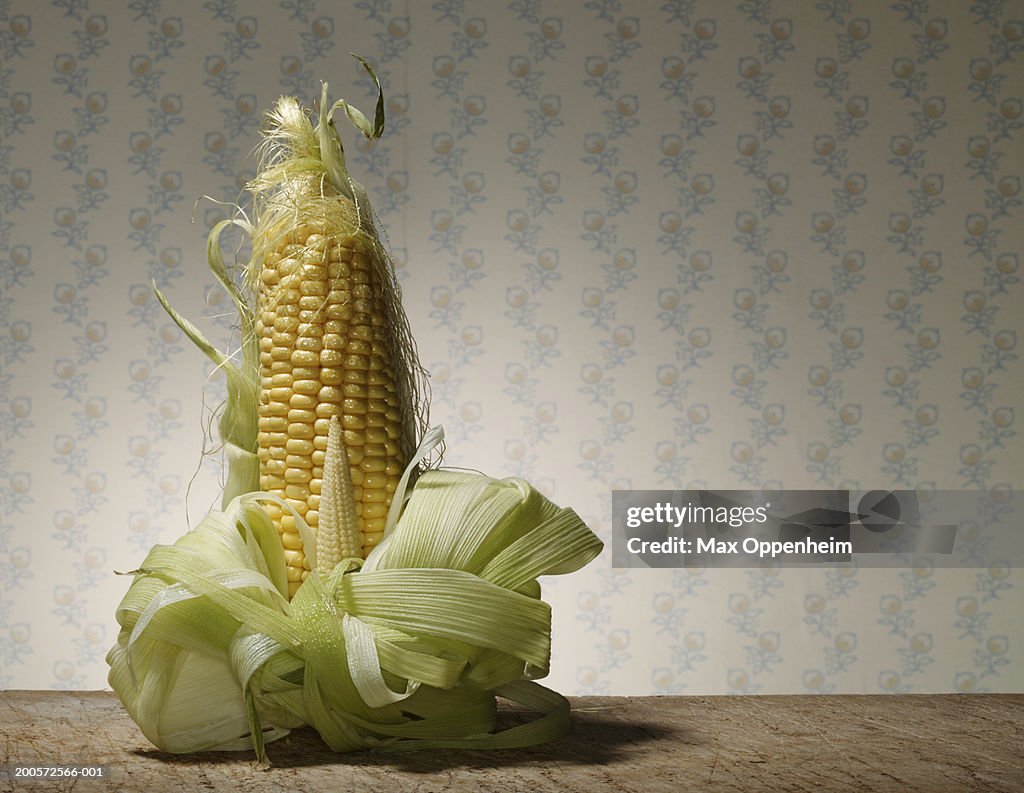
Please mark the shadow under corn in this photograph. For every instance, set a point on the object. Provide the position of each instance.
(597, 738)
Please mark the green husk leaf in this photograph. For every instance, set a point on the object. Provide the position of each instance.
(238, 421)
(408, 651)
(360, 121)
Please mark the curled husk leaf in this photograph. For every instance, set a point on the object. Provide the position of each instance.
(405, 650)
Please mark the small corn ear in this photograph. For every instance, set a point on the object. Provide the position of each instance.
(338, 536)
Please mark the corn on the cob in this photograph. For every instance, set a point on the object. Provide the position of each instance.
(324, 353)
(328, 381)
(333, 342)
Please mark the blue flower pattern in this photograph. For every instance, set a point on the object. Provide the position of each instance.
(758, 244)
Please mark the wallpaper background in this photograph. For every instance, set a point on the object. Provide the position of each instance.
(643, 244)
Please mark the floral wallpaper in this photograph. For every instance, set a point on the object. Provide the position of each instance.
(645, 244)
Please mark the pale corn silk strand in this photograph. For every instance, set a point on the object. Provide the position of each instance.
(404, 650)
